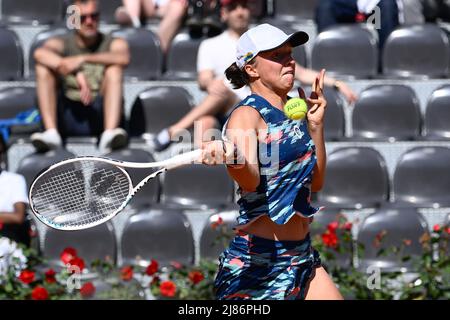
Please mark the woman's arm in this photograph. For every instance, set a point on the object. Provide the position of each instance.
(16, 217)
(241, 133)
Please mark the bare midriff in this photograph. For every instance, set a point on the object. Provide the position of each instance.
(295, 229)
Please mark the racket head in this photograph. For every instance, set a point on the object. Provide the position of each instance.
(80, 193)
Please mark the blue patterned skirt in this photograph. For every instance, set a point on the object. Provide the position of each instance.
(255, 268)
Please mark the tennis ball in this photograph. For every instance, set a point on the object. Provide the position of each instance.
(295, 109)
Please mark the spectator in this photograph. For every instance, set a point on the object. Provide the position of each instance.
(88, 66)
(331, 12)
(172, 13)
(214, 56)
(13, 203)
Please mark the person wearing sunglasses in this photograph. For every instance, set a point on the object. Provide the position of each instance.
(79, 83)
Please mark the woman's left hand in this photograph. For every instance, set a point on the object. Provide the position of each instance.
(316, 102)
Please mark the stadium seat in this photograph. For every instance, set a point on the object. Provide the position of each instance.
(291, 11)
(437, 115)
(346, 50)
(161, 234)
(11, 65)
(197, 186)
(38, 41)
(217, 235)
(32, 11)
(356, 177)
(422, 177)
(320, 225)
(31, 165)
(14, 100)
(146, 56)
(387, 113)
(91, 244)
(149, 193)
(389, 228)
(158, 107)
(108, 10)
(417, 51)
(182, 57)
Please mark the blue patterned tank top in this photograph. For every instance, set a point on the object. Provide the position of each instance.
(286, 162)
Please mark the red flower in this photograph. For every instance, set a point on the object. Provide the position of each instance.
(196, 276)
(407, 242)
(50, 276)
(333, 226)
(126, 273)
(348, 226)
(447, 230)
(155, 280)
(152, 268)
(67, 255)
(437, 228)
(168, 288)
(26, 276)
(77, 262)
(330, 239)
(217, 223)
(1, 226)
(39, 293)
(87, 290)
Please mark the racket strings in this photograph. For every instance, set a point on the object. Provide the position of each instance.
(80, 193)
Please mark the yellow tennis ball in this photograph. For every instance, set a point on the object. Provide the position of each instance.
(295, 108)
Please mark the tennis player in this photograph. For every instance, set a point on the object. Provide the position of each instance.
(276, 162)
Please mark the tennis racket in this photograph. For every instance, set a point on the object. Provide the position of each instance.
(83, 192)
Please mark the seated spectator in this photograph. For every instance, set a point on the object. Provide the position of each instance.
(214, 56)
(13, 203)
(171, 12)
(79, 84)
(332, 12)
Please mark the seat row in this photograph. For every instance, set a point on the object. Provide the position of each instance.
(166, 235)
(347, 51)
(382, 112)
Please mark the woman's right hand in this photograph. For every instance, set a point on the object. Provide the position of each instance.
(221, 152)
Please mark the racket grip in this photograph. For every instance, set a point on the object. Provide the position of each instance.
(184, 159)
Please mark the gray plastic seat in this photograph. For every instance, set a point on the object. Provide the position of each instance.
(32, 11)
(158, 107)
(387, 112)
(422, 177)
(197, 186)
(37, 42)
(437, 115)
(182, 57)
(417, 51)
(145, 53)
(149, 193)
(98, 242)
(293, 10)
(31, 165)
(108, 10)
(397, 225)
(356, 177)
(216, 237)
(11, 65)
(346, 50)
(14, 100)
(161, 234)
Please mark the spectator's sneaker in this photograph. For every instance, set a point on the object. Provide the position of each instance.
(44, 141)
(162, 140)
(113, 139)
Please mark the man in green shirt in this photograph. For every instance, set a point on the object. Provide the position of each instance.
(79, 84)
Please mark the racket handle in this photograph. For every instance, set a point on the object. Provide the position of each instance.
(183, 159)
